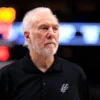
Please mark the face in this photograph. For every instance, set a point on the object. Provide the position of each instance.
(44, 35)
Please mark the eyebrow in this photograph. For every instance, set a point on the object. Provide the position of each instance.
(48, 25)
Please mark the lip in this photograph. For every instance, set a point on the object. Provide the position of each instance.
(50, 43)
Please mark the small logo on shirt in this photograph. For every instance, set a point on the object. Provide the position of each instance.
(64, 87)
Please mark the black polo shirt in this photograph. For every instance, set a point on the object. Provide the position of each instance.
(22, 80)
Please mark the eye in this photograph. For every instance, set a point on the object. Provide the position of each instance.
(45, 28)
(55, 28)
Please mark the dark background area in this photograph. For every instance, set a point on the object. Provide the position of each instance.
(66, 10)
(88, 57)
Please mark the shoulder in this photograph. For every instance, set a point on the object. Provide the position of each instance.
(70, 67)
(11, 67)
(69, 64)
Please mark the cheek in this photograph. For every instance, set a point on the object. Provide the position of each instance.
(57, 37)
(40, 38)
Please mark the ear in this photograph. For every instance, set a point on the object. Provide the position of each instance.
(27, 36)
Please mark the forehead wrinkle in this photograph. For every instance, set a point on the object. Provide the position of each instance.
(43, 16)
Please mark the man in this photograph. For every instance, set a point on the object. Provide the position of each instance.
(41, 74)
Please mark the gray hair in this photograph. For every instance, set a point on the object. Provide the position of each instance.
(27, 20)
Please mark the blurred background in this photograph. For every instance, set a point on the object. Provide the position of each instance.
(79, 34)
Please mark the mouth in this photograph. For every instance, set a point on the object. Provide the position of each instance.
(50, 43)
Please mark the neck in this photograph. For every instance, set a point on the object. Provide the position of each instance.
(42, 62)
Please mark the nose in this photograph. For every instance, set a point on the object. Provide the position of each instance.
(50, 32)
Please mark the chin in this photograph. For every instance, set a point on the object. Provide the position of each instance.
(49, 52)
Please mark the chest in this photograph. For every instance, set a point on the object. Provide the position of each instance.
(50, 86)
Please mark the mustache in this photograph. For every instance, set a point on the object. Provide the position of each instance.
(50, 42)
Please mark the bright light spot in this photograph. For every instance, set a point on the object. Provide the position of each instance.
(7, 14)
(90, 34)
(4, 53)
(67, 32)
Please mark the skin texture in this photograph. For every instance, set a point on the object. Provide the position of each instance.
(42, 39)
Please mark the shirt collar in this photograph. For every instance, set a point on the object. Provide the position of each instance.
(56, 65)
(30, 67)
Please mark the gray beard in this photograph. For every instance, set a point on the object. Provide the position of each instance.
(45, 52)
